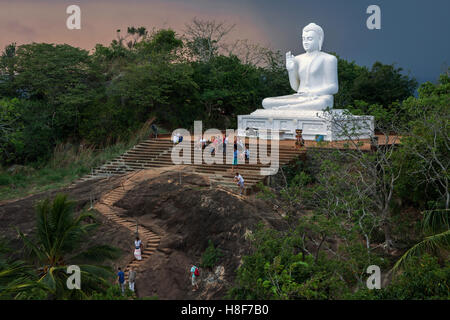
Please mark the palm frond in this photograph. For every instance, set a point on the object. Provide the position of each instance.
(59, 233)
(97, 271)
(15, 287)
(435, 221)
(43, 231)
(58, 230)
(71, 236)
(32, 247)
(430, 244)
(49, 280)
(98, 254)
(15, 277)
(93, 279)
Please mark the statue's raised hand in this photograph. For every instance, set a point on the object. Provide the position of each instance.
(290, 61)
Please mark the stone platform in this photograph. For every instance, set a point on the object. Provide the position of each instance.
(333, 125)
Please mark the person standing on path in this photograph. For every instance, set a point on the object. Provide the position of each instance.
(137, 250)
(240, 182)
(224, 143)
(176, 138)
(235, 158)
(121, 280)
(194, 276)
(247, 154)
(155, 131)
(131, 278)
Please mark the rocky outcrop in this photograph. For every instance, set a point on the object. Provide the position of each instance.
(186, 216)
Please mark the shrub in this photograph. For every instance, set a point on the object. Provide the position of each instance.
(210, 256)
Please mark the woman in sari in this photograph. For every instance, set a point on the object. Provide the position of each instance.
(137, 250)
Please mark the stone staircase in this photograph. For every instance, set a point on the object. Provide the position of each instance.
(145, 155)
(149, 239)
(153, 153)
(157, 154)
(223, 174)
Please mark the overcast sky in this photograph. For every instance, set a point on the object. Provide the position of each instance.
(414, 33)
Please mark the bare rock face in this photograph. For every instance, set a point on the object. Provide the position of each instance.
(212, 283)
(186, 216)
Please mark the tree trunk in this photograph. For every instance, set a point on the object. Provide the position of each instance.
(318, 249)
(447, 200)
(387, 232)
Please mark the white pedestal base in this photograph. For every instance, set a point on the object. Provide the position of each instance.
(334, 125)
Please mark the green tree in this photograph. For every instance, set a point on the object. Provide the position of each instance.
(426, 145)
(8, 62)
(211, 256)
(54, 83)
(378, 91)
(281, 266)
(383, 84)
(204, 38)
(15, 276)
(348, 72)
(11, 131)
(436, 227)
(163, 41)
(227, 87)
(59, 235)
(422, 279)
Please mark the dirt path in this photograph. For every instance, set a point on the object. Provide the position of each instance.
(105, 206)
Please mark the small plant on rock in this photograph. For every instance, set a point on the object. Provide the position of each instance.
(210, 256)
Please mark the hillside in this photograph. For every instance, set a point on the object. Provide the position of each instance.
(159, 202)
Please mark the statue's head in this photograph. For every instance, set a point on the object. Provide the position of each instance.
(312, 37)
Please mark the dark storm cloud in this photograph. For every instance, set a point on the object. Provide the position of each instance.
(413, 35)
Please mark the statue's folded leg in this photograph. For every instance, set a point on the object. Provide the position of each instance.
(269, 103)
(292, 102)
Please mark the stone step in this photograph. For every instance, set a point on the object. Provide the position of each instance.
(152, 238)
(138, 154)
(158, 153)
(116, 197)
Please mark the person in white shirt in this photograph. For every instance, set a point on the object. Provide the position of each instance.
(240, 144)
(131, 278)
(240, 182)
(247, 154)
(175, 138)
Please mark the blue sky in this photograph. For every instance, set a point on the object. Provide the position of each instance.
(413, 35)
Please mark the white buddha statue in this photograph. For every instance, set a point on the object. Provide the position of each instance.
(313, 75)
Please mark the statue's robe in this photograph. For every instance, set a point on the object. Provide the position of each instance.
(318, 75)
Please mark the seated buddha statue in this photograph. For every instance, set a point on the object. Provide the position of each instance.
(312, 75)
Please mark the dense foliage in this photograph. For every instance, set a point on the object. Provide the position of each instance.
(211, 256)
(52, 94)
(60, 241)
(350, 208)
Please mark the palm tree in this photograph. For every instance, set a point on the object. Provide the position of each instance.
(436, 227)
(15, 276)
(59, 234)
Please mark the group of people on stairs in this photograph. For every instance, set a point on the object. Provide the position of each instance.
(131, 272)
